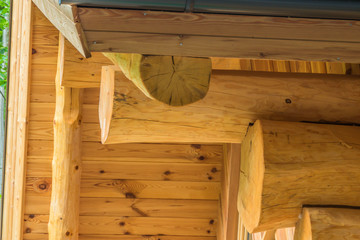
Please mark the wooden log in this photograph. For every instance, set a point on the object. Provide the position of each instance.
(234, 100)
(66, 165)
(286, 165)
(328, 224)
(175, 81)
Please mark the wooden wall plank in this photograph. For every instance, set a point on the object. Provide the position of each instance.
(134, 188)
(34, 236)
(137, 170)
(178, 208)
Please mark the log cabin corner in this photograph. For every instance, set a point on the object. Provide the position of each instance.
(183, 120)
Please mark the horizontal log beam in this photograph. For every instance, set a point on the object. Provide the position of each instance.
(328, 224)
(209, 35)
(285, 165)
(233, 101)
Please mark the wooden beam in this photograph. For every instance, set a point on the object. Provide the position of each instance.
(228, 215)
(234, 100)
(310, 164)
(176, 81)
(17, 122)
(66, 165)
(65, 19)
(220, 35)
(328, 224)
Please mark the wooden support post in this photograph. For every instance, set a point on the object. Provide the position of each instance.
(65, 196)
(175, 81)
(228, 215)
(328, 224)
(286, 165)
(17, 122)
(234, 100)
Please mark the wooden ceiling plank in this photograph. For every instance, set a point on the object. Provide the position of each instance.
(65, 19)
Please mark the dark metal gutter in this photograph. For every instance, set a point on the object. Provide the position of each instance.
(332, 9)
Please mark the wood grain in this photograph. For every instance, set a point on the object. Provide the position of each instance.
(310, 164)
(328, 223)
(17, 120)
(177, 208)
(134, 188)
(234, 100)
(95, 225)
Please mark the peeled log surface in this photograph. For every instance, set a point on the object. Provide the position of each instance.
(285, 165)
(328, 224)
(235, 99)
(173, 80)
(66, 163)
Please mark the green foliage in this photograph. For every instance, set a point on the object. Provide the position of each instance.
(4, 29)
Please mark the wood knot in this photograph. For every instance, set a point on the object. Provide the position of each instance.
(211, 221)
(101, 171)
(210, 177)
(201, 158)
(261, 54)
(76, 167)
(167, 173)
(288, 101)
(208, 231)
(28, 230)
(130, 195)
(43, 186)
(127, 233)
(214, 170)
(33, 51)
(31, 216)
(67, 233)
(122, 223)
(196, 146)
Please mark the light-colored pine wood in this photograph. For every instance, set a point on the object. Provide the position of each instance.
(228, 213)
(328, 224)
(310, 164)
(122, 188)
(17, 112)
(234, 100)
(136, 170)
(34, 236)
(82, 72)
(64, 18)
(95, 225)
(172, 208)
(175, 81)
(66, 164)
(269, 235)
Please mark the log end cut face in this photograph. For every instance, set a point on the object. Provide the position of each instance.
(176, 81)
(251, 177)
